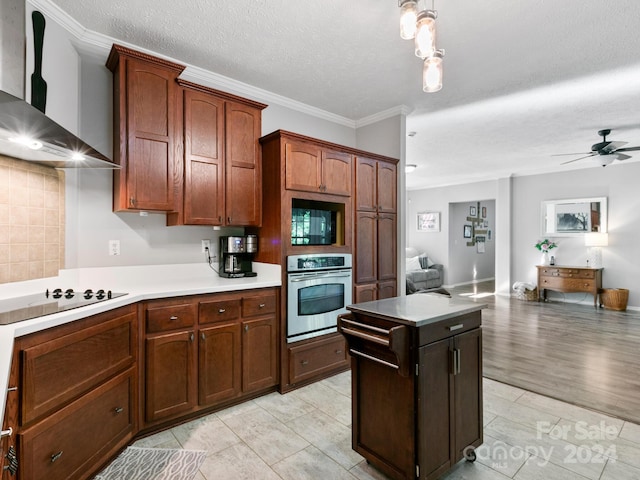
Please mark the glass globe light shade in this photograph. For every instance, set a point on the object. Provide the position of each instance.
(425, 38)
(408, 18)
(432, 72)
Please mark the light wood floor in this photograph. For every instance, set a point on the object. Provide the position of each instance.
(576, 353)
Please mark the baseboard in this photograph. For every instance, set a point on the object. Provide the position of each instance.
(454, 285)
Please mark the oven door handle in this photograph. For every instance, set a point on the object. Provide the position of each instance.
(344, 275)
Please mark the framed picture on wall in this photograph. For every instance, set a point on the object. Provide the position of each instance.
(467, 231)
(484, 212)
(480, 244)
(429, 222)
(472, 211)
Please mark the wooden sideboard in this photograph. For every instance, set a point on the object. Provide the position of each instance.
(569, 279)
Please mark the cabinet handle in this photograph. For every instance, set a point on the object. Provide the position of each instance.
(338, 352)
(220, 218)
(262, 305)
(191, 337)
(453, 328)
(173, 318)
(202, 336)
(56, 456)
(304, 362)
(132, 201)
(229, 219)
(6, 433)
(221, 310)
(457, 361)
(246, 328)
(118, 409)
(12, 389)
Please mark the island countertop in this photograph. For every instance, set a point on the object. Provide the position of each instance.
(417, 310)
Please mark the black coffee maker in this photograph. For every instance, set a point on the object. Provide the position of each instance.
(236, 254)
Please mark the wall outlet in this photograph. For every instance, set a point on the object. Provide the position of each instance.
(206, 244)
(114, 247)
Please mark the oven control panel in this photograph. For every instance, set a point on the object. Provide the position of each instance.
(298, 263)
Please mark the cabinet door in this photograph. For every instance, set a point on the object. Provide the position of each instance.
(365, 292)
(243, 164)
(219, 365)
(203, 158)
(366, 185)
(150, 132)
(302, 167)
(171, 386)
(435, 416)
(387, 289)
(366, 246)
(386, 187)
(468, 391)
(386, 253)
(336, 173)
(259, 350)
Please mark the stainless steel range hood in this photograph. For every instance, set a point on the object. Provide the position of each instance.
(28, 134)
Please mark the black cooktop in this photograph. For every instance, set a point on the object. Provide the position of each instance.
(33, 306)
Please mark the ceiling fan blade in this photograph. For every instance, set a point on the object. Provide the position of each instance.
(576, 159)
(628, 149)
(622, 156)
(612, 147)
(564, 154)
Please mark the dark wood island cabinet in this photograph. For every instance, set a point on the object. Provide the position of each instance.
(416, 383)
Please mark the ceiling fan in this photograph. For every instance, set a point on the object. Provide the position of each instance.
(605, 150)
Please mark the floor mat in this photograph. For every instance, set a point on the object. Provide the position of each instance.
(154, 464)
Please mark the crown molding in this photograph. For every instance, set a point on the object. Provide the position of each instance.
(377, 117)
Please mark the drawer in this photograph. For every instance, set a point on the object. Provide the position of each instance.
(313, 359)
(219, 310)
(448, 328)
(568, 284)
(567, 272)
(59, 370)
(170, 317)
(258, 305)
(74, 440)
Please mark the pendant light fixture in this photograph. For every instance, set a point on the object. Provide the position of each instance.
(408, 18)
(425, 38)
(422, 27)
(432, 72)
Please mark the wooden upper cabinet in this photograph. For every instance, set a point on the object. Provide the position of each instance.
(204, 145)
(144, 130)
(315, 169)
(375, 186)
(222, 181)
(244, 164)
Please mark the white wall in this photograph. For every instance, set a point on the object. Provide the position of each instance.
(383, 137)
(465, 264)
(621, 259)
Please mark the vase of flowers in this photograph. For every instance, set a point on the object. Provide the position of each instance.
(545, 246)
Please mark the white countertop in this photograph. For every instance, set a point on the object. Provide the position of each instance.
(139, 282)
(417, 310)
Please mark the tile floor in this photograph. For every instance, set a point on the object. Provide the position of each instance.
(306, 434)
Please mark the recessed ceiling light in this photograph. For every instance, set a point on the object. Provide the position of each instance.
(411, 134)
(410, 167)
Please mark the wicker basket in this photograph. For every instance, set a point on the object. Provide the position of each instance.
(528, 295)
(614, 298)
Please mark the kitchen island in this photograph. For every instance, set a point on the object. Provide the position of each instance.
(416, 382)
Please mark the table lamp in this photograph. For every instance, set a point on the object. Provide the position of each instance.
(594, 241)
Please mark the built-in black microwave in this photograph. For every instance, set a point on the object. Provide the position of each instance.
(313, 226)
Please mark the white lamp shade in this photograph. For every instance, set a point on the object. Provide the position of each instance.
(596, 239)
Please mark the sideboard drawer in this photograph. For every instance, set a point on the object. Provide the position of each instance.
(568, 272)
(567, 284)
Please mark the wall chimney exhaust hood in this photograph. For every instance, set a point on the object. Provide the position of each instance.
(28, 134)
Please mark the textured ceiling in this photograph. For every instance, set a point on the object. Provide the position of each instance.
(523, 80)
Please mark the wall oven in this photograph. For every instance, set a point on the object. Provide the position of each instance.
(318, 290)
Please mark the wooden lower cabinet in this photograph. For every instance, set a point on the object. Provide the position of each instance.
(72, 442)
(315, 359)
(229, 352)
(73, 399)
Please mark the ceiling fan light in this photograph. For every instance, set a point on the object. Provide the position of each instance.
(432, 72)
(425, 35)
(408, 18)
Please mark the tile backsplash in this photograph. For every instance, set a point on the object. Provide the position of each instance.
(31, 220)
